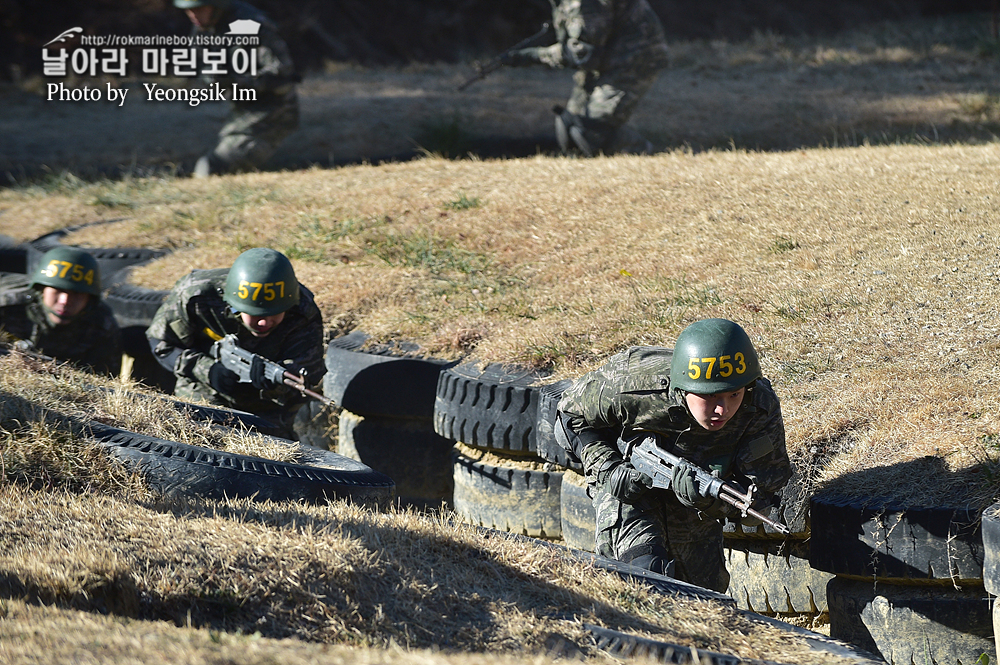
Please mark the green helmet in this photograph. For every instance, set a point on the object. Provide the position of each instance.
(191, 4)
(713, 356)
(262, 283)
(68, 269)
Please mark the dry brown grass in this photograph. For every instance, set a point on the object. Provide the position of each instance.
(31, 634)
(867, 276)
(80, 534)
(56, 403)
(339, 574)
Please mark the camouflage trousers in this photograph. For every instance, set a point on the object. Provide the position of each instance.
(604, 101)
(695, 544)
(251, 135)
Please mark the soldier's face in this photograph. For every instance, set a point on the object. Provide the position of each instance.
(261, 326)
(61, 306)
(202, 17)
(713, 411)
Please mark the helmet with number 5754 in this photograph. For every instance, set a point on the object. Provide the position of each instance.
(713, 356)
(261, 282)
(68, 269)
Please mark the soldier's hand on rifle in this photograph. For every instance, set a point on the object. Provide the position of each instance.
(688, 490)
(551, 56)
(222, 379)
(258, 376)
(627, 484)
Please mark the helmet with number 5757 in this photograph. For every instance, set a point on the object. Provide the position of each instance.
(261, 282)
(68, 269)
(713, 356)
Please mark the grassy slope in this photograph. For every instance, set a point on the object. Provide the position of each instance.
(83, 536)
(867, 276)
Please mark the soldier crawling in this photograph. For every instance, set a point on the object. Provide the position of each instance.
(617, 47)
(710, 405)
(254, 129)
(259, 300)
(59, 313)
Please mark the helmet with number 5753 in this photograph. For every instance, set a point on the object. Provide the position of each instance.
(713, 356)
(68, 269)
(261, 282)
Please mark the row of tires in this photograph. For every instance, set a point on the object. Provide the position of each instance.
(905, 582)
(901, 581)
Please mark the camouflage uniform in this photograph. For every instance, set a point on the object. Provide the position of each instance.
(631, 393)
(255, 129)
(90, 341)
(617, 47)
(194, 316)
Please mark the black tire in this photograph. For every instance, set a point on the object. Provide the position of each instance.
(177, 469)
(551, 440)
(495, 408)
(773, 577)
(110, 260)
(13, 255)
(622, 645)
(508, 499)
(385, 380)
(134, 305)
(576, 513)
(851, 536)
(907, 623)
(407, 450)
(12, 283)
(991, 549)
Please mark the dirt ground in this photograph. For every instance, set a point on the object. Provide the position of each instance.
(927, 82)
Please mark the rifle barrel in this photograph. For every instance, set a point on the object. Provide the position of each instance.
(296, 382)
(482, 71)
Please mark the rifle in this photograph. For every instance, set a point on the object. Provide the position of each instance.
(247, 366)
(482, 71)
(659, 464)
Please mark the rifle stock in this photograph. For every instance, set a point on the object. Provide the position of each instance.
(659, 465)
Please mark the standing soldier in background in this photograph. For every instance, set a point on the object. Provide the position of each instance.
(617, 48)
(708, 403)
(60, 313)
(259, 300)
(254, 129)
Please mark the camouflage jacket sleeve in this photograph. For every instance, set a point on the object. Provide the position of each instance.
(175, 337)
(630, 391)
(596, 410)
(583, 27)
(762, 456)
